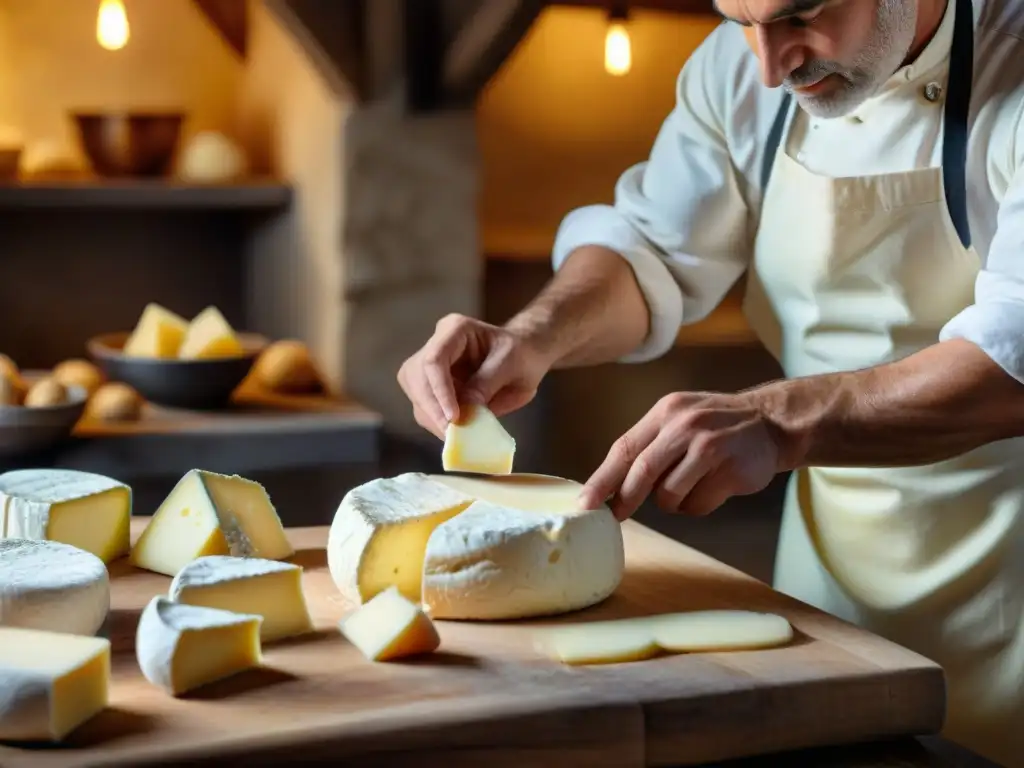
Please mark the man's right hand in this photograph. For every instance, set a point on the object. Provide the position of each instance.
(470, 361)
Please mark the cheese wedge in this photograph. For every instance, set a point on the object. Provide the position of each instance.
(209, 335)
(211, 514)
(477, 443)
(159, 333)
(87, 511)
(475, 548)
(52, 683)
(390, 627)
(267, 588)
(54, 587)
(183, 647)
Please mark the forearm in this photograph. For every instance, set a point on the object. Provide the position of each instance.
(591, 312)
(934, 405)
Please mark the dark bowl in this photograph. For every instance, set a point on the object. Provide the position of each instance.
(129, 143)
(196, 384)
(26, 430)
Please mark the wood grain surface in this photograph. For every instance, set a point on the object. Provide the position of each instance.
(487, 698)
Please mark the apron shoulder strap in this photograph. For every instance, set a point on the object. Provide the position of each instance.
(774, 140)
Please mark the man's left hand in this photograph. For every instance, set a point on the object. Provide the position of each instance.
(693, 450)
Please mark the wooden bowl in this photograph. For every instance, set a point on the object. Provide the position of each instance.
(197, 384)
(25, 430)
(130, 143)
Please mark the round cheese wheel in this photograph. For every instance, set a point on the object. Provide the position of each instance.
(46, 392)
(51, 586)
(9, 368)
(115, 402)
(10, 392)
(286, 366)
(80, 373)
(212, 157)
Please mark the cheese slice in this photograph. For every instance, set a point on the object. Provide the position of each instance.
(268, 588)
(209, 335)
(635, 639)
(380, 531)
(183, 647)
(158, 333)
(720, 631)
(390, 627)
(211, 514)
(51, 683)
(600, 642)
(476, 548)
(477, 443)
(54, 587)
(82, 509)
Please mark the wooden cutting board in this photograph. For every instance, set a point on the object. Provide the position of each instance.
(488, 699)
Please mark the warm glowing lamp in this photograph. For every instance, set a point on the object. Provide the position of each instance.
(618, 56)
(112, 25)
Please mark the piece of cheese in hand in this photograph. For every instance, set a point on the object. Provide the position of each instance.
(209, 335)
(50, 586)
(390, 627)
(503, 547)
(51, 683)
(158, 333)
(477, 443)
(380, 531)
(719, 631)
(600, 642)
(211, 514)
(268, 588)
(82, 509)
(183, 647)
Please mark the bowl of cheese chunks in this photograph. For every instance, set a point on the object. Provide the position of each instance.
(175, 362)
(36, 411)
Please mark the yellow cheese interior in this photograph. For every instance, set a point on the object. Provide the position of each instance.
(188, 524)
(277, 597)
(396, 553)
(98, 523)
(478, 443)
(209, 335)
(159, 333)
(390, 627)
(78, 666)
(209, 654)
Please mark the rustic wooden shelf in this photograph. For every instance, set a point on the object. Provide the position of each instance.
(146, 194)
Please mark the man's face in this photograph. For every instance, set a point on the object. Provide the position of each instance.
(831, 54)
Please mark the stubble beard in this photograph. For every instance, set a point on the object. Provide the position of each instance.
(884, 53)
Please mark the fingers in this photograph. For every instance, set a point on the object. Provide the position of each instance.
(653, 462)
(608, 477)
(493, 374)
(711, 492)
(679, 483)
(439, 355)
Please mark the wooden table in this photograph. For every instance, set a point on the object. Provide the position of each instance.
(487, 698)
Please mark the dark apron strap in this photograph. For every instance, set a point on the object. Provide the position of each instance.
(955, 121)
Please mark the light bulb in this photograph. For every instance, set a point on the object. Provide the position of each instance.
(112, 25)
(618, 57)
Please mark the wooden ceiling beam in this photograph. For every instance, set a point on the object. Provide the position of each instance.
(231, 20)
(696, 7)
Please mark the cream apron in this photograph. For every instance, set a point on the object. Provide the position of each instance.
(849, 273)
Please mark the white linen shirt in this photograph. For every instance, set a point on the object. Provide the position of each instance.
(686, 219)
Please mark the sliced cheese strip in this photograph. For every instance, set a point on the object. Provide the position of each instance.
(390, 627)
(475, 548)
(268, 588)
(46, 585)
(720, 631)
(211, 514)
(50, 683)
(85, 510)
(209, 336)
(607, 642)
(183, 647)
(158, 333)
(477, 443)
(379, 534)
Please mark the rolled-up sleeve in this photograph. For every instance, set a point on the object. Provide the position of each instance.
(679, 218)
(995, 322)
